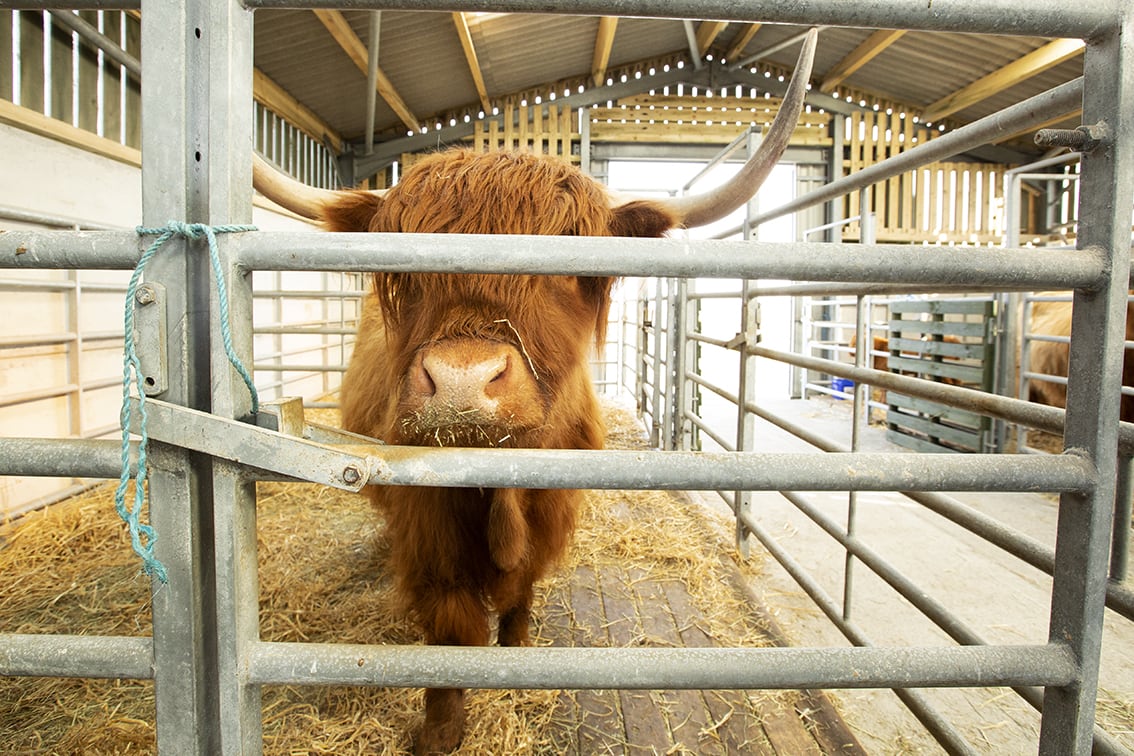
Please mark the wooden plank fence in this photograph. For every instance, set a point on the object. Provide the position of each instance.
(954, 202)
(545, 129)
(666, 118)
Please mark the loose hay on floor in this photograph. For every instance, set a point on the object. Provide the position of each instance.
(322, 579)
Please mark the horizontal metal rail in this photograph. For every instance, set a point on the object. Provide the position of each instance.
(63, 457)
(1018, 411)
(102, 656)
(658, 668)
(1006, 269)
(1045, 18)
(553, 468)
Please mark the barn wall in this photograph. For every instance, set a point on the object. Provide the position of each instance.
(61, 341)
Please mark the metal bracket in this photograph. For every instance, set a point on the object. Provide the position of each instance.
(278, 452)
(150, 338)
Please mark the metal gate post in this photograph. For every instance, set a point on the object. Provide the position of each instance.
(196, 107)
(1097, 330)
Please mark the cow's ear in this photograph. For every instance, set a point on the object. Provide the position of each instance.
(641, 218)
(351, 211)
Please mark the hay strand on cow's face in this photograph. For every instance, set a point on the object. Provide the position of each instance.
(322, 579)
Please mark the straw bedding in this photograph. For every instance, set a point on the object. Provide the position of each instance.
(69, 569)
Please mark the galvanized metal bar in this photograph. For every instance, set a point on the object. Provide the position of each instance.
(221, 113)
(677, 258)
(63, 457)
(1118, 598)
(530, 468)
(171, 188)
(587, 256)
(258, 447)
(1094, 378)
(352, 467)
(658, 668)
(1047, 18)
(937, 725)
(1120, 537)
(1016, 410)
(101, 656)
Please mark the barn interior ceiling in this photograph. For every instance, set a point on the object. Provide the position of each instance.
(440, 72)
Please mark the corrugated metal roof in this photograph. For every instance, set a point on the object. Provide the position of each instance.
(421, 54)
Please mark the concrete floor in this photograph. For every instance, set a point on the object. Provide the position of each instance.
(999, 597)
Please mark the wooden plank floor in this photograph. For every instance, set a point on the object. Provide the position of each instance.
(623, 606)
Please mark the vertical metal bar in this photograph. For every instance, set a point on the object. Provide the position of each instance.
(680, 395)
(675, 316)
(225, 62)
(180, 510)
(372, 78)
(1094, 379)
(745, 420)
(862, 338)
(655, 411)
(1120, 535)
(746, 380)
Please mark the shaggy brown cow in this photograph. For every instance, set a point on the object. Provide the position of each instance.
(1051, 357)
(489, 360)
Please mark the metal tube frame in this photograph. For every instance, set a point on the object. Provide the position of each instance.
(207, 661)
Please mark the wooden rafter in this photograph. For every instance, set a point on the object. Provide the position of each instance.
(337, 25)
(707, 32)
(467, 45)
(274, 97)
(741, 41)
(1051, 54)
(859, 57)
(604, 41)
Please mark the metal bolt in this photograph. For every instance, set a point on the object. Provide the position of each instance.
(351, 475)
(145, 295)
(1081, 139)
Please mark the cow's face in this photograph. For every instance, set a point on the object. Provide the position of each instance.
(483, 360)
(508, 351)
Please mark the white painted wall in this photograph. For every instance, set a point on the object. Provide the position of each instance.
(41, 175)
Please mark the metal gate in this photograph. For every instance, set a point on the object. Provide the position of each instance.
(205, 654)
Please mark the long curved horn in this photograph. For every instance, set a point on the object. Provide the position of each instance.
(699, 209)
(282, 189)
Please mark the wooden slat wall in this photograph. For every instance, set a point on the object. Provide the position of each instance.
(666, 118)
(66, 97)
(528, 127)
(953, 203)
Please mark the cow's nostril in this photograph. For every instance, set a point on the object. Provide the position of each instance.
(421, 380)
(501, 374)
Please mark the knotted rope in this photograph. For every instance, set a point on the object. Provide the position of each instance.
(143, 536)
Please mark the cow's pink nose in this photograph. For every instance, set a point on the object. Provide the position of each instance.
(463, 375)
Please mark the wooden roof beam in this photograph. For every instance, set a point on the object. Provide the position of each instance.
(707, 33)
(338, 27)
(743, 37)
(1037, 61)
(604, 42)
(859, 57)
(462, 24)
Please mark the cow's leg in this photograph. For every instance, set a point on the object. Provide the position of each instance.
(507, 529)
(515, 606)
(453, 618)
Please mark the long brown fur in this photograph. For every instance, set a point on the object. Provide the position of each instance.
(456, 554)
(1052, 358)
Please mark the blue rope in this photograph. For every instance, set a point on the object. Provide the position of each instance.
(142, 536)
